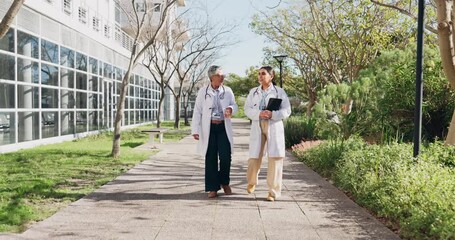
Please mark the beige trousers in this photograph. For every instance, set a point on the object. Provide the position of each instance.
(274, 169)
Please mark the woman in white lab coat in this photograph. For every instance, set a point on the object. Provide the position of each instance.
(267, 133)
(211, 125)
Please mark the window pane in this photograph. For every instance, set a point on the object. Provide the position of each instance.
(107, 70)
(93, 101)
(49, 75)
(7, 42)
(66, 78)
(93, 84)
(67, 57)
(7, 64)
(127, 100)
(81, 81)
(7, 132)
(6, 95)
(49, 51)
(27, 96)
(27, 71)
(49, 98)
(28, 126)
(81, 62)
(93, 66)
(126, 118)
(118, 74)
(93, 120)
(67, 99)
(49, 127)
(67, 120)
(27, 45)
(81, 122)
(81, 100)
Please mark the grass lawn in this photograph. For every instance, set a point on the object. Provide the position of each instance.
(36, 183)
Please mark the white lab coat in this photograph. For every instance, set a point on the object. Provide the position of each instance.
(275, 144)
(202, 114)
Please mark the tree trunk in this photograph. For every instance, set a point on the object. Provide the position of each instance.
(119, 115)
(446, 40)
(160, 106)
(185, 111)
(311, 103)
(9, 16)
(177, 114)
(450, 140)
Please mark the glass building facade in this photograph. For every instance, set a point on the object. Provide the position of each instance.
(61, 84)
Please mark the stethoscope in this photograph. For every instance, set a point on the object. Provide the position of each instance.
(257, 91)
(207, 93)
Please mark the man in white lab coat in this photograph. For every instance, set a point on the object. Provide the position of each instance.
(211, 125)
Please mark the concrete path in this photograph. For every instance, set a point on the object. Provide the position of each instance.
(162, 198)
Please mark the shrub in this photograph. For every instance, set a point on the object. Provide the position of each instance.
(416, 194)
(298, 128)
(324, 157)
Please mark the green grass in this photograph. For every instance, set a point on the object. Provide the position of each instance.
(36, 183)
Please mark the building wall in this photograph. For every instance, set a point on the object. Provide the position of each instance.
(60, 75)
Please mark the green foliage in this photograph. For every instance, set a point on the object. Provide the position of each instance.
(298, 128)
(241, 104)
(415, 195)
(439, 153)
(390, 182)
(383, 100)
(241, 85)
(324, 157)
(393, 75)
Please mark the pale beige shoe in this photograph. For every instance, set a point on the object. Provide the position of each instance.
(250, 188)
(270, 198)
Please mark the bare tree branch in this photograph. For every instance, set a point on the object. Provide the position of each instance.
(406, 13)
(9, 16)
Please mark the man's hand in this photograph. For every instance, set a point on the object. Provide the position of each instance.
(196, 136)
(228, 112)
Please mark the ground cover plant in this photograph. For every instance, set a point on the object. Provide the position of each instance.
(414, 196)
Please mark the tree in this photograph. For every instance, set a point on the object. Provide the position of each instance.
(144, 36)
(338, 38)
(445, 13)
(9, 16)
(241, 85)
(205, 43)
(196, 77)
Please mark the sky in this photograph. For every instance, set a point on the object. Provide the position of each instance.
(248, 51)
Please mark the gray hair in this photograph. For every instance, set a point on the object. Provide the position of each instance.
(213, 70)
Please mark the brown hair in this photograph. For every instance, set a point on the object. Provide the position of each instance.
(270, 70)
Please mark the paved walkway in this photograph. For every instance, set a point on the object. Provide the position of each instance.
(163, 198)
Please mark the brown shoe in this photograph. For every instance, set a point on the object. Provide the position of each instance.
(250, 188)
(212, 194)
(227, 189)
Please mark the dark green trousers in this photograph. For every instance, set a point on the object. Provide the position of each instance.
(219, 150)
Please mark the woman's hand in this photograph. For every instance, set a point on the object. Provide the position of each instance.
(266, 114)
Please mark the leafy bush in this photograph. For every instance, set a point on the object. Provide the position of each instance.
(298, 128)
(393, 101)
(383, 100)
(416, 194)
(438, 153)
(324, 157)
